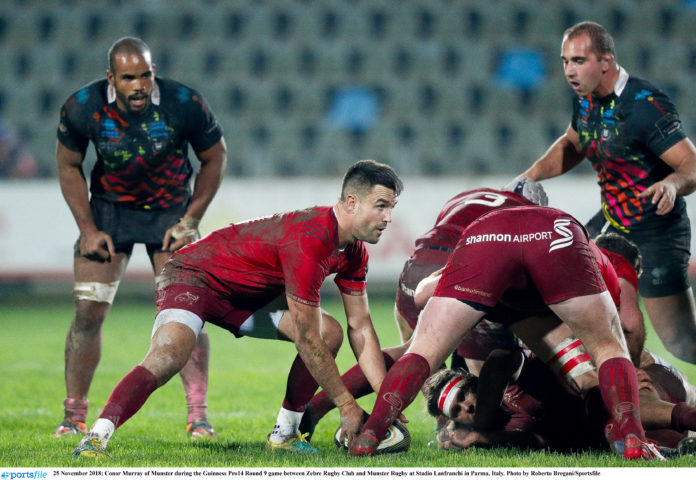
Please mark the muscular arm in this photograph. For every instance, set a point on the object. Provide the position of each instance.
(562, 155)
(318, 359)
(208, 179)
(460, 438)
(213, 162)
(500, 369)
(363, 339)
(682, 158)
(94, 244)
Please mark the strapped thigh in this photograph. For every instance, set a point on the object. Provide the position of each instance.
(95, 291)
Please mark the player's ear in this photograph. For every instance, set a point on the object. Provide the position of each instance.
(154, 69)
(351, 203)
(109, 77)
(607, 60)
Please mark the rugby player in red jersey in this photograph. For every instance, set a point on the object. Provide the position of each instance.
(522, 256)
(432, 249)
(262, 278)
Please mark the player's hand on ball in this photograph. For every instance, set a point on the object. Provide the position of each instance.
(352, 419)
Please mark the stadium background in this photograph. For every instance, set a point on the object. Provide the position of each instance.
(453, 94)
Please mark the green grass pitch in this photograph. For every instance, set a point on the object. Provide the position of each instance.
(247, 384)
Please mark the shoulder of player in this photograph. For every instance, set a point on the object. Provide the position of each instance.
(173, 90)
(89, 96)
(641, 90)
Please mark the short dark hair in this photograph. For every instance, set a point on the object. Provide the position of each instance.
(436, 382)
(602, 41)
(365, 174)
(621, 245)
(128, 45)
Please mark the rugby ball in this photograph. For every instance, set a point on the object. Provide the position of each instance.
(397, 440)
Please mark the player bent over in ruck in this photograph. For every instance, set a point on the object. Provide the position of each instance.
(530, 252)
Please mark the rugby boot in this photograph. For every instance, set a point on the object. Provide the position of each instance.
(365, 445)
(636, 449)
(91, 446)
(297, 443)
(200, 429)
(68, 427)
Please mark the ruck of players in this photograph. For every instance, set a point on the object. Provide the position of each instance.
(518, 322)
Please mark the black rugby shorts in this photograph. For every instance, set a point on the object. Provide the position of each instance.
(128, 226)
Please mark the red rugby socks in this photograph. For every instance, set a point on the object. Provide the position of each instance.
(619, 386)
(129, 395)
(75, 409)
(300, 387)
(399, 388)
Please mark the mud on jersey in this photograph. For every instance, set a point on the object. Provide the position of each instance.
(142, 160)
(623, 134)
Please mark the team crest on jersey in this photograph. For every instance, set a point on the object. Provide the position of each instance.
(187, 297)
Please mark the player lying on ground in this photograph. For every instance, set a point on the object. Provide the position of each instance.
(517, 402)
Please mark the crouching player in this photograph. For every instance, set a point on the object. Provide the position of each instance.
(251, 267)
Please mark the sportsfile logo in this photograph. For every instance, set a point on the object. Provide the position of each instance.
(561, 228)
(13, 475)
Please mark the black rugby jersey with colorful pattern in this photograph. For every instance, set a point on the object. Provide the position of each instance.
(623, 134)
(142, 159)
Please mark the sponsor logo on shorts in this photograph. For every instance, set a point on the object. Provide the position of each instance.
(561, 228)
(507, 237)
(472, 290)
(408, 291)
(187, 297)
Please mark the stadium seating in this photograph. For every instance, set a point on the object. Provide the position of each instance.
(269, 70)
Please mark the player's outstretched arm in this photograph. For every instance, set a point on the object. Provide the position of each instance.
(363, 339)
(561, 156)
(318, 359)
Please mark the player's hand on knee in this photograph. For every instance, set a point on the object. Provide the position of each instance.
(181, 234)
(97, 246)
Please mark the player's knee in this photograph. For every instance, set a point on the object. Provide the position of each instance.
(170, 349)
(331, 332)
(683, 348)
(89, 317)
